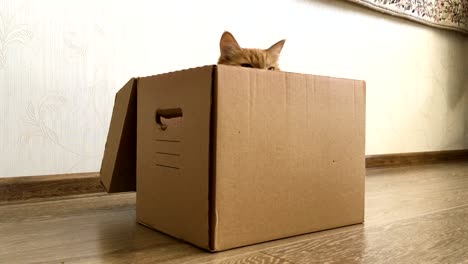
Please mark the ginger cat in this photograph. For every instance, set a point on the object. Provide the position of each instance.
(233, 54)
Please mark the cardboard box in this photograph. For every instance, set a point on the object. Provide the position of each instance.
(229, 156)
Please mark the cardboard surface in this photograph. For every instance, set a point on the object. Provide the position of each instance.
(173, 164)
(118, 167)
(214, 139)
(290, 146)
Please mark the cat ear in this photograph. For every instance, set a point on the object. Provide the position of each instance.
(276, 48)
(228, 43)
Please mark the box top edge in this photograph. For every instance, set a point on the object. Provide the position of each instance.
(249, 69)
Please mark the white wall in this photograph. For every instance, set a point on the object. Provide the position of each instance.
(66, 60)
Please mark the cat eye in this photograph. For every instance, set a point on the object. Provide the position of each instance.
(247, 65)
(271, 68)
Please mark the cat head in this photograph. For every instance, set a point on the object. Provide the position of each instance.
(233, 54)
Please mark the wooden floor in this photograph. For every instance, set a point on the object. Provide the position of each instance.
(413, 215)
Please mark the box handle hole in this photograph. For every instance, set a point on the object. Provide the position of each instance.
(167, 113)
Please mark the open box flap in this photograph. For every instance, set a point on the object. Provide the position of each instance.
(118, 168)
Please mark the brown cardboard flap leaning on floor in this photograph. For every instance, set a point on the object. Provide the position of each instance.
(118, 165)
(228, 156)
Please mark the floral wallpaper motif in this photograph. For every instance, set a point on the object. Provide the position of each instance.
(56, 88)
(450, 14)
(11, 33)
(34, 119)
(36, 126)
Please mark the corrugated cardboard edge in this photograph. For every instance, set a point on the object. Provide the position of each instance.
(182, 70)
(364, 88)
(213, 216)
(118, 167)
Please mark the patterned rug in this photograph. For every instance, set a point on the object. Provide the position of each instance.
(448, 14)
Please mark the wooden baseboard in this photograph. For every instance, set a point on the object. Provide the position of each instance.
(415, 158)
(20, 189)
(27, 189)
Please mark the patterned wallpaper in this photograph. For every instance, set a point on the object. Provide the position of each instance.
(438, 13)
(56, 88)
(61, 63)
